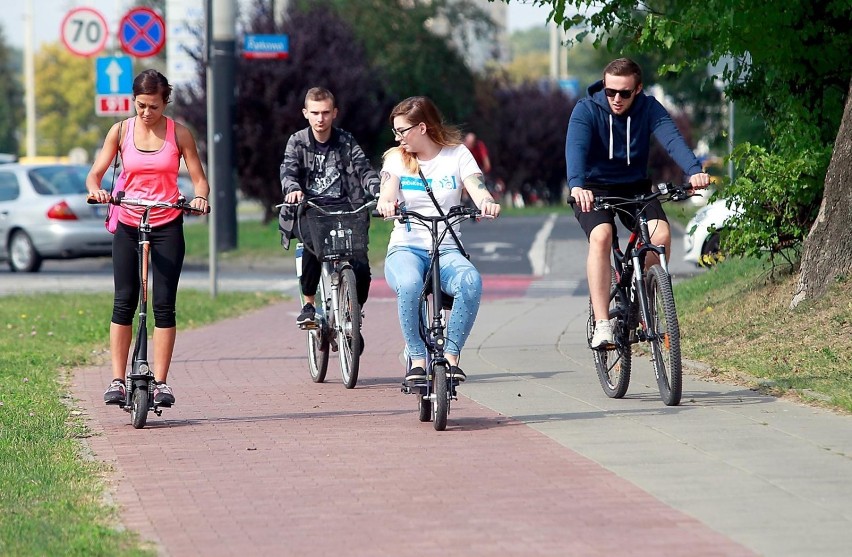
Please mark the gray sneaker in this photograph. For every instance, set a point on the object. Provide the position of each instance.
(163, 395)
(115, 392)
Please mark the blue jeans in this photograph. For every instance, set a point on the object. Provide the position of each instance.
(405, 269)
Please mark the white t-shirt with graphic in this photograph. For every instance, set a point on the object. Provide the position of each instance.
(446, 174)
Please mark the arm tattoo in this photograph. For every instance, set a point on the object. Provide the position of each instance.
(478, 181)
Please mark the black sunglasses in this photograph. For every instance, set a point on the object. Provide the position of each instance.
(625, 93)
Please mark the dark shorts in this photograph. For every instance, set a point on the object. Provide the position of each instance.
(589, 220)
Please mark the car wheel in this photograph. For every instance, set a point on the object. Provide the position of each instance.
(23, 257)
(711, 252)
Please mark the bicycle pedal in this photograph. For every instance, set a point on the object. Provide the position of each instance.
(309, 325)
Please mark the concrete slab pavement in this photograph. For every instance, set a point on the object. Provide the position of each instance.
(772, 474)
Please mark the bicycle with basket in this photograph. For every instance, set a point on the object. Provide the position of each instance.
(337, 235)
(641, 303)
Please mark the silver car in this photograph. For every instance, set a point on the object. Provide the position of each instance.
(44, 215)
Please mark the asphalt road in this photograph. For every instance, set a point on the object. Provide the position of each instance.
(507, 246)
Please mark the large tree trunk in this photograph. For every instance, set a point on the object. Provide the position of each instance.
(828, 247)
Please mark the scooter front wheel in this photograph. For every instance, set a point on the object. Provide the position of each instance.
(139, 408)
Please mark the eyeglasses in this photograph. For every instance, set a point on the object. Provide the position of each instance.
(625, 93)
(400, 133)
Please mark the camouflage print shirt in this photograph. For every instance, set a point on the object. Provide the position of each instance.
(332, 173)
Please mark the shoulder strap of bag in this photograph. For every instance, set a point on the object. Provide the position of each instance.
(177, 141)
(117, 157)
(441, 212)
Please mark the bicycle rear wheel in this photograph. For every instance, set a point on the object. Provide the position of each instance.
(349, 341)
(613, 366)
(665, 346)
(441, 400)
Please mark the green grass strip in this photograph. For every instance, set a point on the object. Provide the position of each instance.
(51, 495)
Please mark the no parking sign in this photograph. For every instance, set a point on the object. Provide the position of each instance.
(142, 32)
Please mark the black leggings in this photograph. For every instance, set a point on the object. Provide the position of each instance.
(166, 261)
(312, 270)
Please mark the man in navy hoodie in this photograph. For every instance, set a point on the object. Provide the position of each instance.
(609, 136)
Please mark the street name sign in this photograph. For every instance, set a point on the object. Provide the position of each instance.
(266, 47)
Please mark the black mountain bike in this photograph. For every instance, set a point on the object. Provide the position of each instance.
(641, 303)
(436, 393)
(140, 378)
(337, 235)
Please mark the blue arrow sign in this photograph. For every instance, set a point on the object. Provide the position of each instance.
(114, 75)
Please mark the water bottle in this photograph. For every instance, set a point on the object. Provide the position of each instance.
(300, 248)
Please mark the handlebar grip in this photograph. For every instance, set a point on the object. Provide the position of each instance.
(570, 200)
(112, 200)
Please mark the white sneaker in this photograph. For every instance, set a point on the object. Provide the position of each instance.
(603, 334)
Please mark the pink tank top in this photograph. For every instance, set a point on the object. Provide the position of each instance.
(150, 175)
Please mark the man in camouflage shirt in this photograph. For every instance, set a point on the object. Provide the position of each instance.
(326, 165)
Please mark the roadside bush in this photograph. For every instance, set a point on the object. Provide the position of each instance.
(779, 193)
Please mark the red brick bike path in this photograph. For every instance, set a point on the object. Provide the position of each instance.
(256, 459)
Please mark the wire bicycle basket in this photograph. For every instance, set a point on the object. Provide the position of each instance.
(337, 235)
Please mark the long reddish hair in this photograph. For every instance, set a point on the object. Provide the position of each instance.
(421, 109)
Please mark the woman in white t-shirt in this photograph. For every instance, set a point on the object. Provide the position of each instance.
(427, 144)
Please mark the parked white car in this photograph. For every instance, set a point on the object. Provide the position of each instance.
(44, 215)
(701, 241)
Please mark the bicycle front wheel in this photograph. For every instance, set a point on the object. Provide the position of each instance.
(441, 397)
(665, 345)
(613, 365)
(349, 341)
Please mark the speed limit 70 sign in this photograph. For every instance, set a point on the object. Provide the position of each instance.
(84, 31)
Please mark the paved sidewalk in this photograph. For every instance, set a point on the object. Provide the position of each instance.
(255, 459)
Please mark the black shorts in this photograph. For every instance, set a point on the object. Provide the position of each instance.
(589, 220)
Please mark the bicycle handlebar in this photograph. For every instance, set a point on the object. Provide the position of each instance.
(324, 210)
(666, 191)
(120, 199)
(454, 212)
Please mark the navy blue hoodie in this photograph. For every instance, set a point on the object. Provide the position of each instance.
(606, 149)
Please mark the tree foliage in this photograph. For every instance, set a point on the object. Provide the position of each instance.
(408, 42)
(271, 94)
(788, 62)
(64, 103)
(524, 127)
(12, 107)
